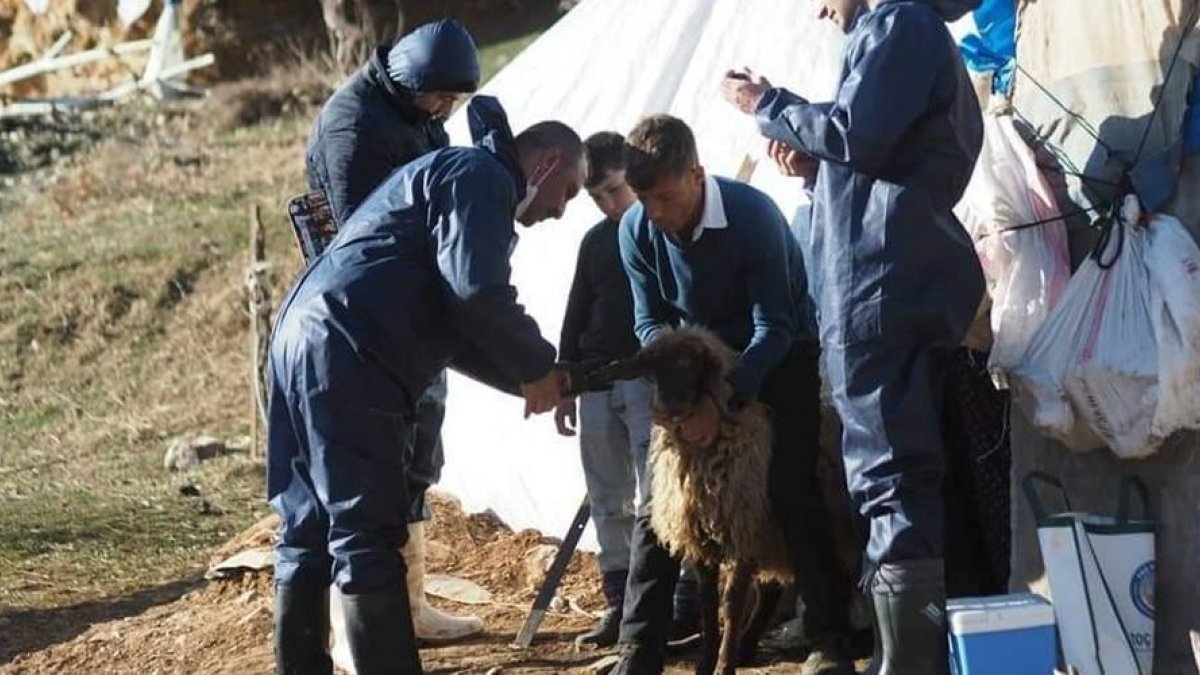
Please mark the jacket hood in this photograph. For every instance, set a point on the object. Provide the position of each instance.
(437, 56)
(490, 131)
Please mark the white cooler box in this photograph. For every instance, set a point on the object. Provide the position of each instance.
(1002, 635)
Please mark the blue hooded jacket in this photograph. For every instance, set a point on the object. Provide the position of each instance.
(371, 126)
(418, 279)
(897, 145)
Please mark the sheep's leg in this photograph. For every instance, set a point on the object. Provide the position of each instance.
(768, 600)
(708, 582)
(735, 608)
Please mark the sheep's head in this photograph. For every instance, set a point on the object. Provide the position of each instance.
(688, 367)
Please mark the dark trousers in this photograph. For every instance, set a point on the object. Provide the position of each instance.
(336, 435)
(426, 455)
(792, 393)
(889, 397)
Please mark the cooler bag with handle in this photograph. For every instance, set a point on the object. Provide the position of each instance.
(1101, 575)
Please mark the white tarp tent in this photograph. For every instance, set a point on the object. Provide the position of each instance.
(602, 67)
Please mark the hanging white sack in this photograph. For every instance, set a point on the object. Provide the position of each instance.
(1101, 575)
(1173, 260)
(1037, 379)
(1009, 209)
(1113, 383)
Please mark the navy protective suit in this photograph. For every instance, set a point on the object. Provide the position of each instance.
(368, 129)
(895, 275)
(416, 280)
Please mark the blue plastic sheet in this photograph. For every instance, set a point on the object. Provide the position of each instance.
(994, 48)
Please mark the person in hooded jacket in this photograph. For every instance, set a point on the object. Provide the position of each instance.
(416, 280)
(896, 279)
(388, 114)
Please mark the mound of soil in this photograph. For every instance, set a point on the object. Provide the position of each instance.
(224, 627)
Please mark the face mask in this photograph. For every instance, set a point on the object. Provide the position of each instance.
(531, 187)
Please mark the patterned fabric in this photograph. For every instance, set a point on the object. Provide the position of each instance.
(979, 459)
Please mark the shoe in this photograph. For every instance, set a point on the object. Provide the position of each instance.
(605, 633)
(827, 657)
(300, 631)
(379, 633)
(909, 600)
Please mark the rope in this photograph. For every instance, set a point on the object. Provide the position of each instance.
(1189, 24)
(1083, 124)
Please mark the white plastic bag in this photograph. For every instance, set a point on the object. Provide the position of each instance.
(1027, 269)
(1173, 260)
(1037, 379)
(1090, 375)
(1113, 380)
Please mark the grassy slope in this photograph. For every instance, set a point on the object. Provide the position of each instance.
(122, 325)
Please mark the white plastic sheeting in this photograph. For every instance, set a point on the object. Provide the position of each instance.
(602, 67)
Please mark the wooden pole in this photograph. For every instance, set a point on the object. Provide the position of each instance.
(259, 305)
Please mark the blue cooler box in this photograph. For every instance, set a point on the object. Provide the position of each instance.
(1002, 635)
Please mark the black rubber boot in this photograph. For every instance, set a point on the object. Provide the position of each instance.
(685, 612)
(380, 632)
(910, 612)
(302, 630)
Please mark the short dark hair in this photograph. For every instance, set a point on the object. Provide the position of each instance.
(605, 154)
(659, 145)
(549, 135)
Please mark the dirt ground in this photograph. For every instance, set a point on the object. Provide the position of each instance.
(225, 626)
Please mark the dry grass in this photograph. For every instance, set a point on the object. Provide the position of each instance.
(122, 324)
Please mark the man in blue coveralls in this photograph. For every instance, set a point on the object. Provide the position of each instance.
(706, 251)
(387, 114)
(897, 283)
(417, 280)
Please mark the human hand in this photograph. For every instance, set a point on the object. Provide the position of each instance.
(566, 418)
(792, 162)
(744, 88)
(544, 394)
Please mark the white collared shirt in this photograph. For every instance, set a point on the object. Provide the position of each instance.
(712, 217)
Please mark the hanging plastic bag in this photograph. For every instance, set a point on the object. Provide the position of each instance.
(1113, 382)
(1037, 379)
(1027, 268)
(1173, 260)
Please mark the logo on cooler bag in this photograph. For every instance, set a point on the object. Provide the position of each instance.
(1141, 589)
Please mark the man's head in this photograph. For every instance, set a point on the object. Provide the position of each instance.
(437, 64)
(553, 163)
(841, 12)
(606, 174)
(664, 171)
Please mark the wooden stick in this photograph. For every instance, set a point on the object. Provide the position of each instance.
(44, 65)
(51, 106)
(258, 299)
(59, 45)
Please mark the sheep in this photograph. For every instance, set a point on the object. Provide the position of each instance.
(709, 504)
